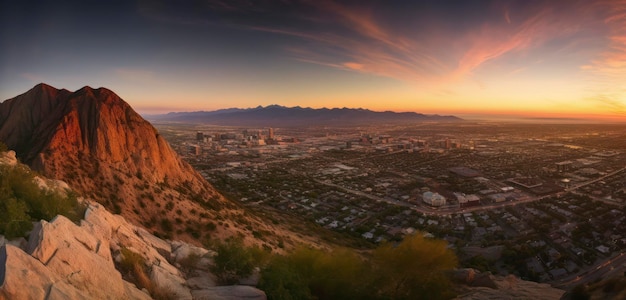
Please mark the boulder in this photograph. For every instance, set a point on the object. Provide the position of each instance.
(487, 286)
(162, 247)
(72, 253)
(22, 276)
(120, 233)
(53, 185)
(8, 158)
(98, 221)
(184, 250)
(47, 237)
(173, 284)
(484, 280)
(62, 291)
(203, 280)
(232, 292)
(133, 293)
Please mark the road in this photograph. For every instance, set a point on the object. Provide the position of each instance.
(595, 180)
(447, 211)
(615, 265)
(427, 210)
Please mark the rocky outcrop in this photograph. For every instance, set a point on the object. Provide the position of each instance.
(63, 260)
(8, 158)
(475, 285)
(91, 260)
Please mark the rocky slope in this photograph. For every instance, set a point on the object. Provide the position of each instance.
(102, 148)
(64, 260)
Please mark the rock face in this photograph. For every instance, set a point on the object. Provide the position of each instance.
(103, 149)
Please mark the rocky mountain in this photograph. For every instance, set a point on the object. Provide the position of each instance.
(280, 116)
(104, 257)
(102, 148)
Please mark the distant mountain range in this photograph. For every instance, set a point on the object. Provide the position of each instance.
(276, 115)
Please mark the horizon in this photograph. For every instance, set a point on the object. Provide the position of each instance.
(505, 117)
(548, 60)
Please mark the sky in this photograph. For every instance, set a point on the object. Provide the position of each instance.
(533, 58)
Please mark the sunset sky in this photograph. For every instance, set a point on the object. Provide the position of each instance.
(535, 58)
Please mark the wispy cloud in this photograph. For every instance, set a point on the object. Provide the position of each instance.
(433, 50)
(360, 41)
(609, 68)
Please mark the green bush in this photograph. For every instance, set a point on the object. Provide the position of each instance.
(234, 261)
(314, 274)
(14, 221)
(413, 269)
(22, 201)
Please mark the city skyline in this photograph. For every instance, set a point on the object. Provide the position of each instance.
(544, 59)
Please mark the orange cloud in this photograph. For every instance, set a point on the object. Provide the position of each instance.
(609, 69)
(385, 52)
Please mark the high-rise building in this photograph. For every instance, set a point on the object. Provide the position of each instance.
(199, 136)
(195, 150)
(270, 133)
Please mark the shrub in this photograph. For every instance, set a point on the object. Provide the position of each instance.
(315, 274)
(14, 221)
(21, 201)
(234, 261)
(412, 269)
(166, 225)
(190, 262)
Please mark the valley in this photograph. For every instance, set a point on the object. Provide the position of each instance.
(544, 202)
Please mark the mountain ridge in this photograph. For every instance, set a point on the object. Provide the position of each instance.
(277, 115)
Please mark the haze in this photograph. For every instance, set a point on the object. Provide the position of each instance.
(544, 59)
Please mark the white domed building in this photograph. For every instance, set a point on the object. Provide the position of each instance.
(434, 199)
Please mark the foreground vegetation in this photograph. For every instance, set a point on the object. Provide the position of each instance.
(22, 201)
(412, 269)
